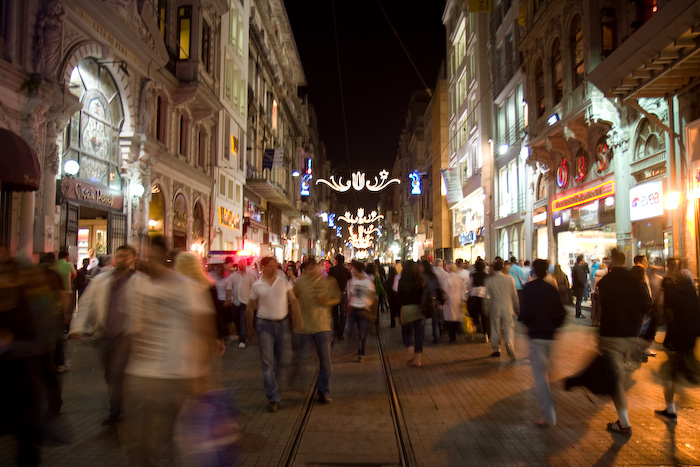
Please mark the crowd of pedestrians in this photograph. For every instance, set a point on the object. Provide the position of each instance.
(162, 327)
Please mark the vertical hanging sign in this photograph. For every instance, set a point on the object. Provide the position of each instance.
(453, 184)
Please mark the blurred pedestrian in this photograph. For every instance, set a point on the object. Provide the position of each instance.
(173, 341)
(542, 311)
(378, 285)
(361, 299)
(316, 295)
(624, 300)
(578, 283)
(341, 275)
(240, 284)
(103, 307)
(410, 290)
(66, 271)
(563, 285)
(391, 288)
(683, 329)
(216, 283)
(477, 294)
(502, 306)
(81, 278)
(273, 298)
(433, 283)
(518, 275)
(455, 293)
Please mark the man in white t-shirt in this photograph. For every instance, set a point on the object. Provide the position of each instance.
(361, 299)
(238, 290)
(173, 336)
(272, 296)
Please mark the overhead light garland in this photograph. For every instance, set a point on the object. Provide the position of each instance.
(361, 218)
(359, 182)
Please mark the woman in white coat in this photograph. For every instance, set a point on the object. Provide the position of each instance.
(452, 313)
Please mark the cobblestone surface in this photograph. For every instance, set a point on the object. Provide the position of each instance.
(461, 408)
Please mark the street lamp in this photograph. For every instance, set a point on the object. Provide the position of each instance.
(137, 190)
(71, 167)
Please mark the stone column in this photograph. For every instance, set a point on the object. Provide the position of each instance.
(621, 169)
(45, 235)
(25, 244)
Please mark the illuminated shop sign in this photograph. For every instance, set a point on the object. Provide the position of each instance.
(647, 200)
(229, 218)
(89, 193)
(585, 196)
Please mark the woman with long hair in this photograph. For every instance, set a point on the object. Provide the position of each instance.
(433, 283)
(410, 293)
(563, 285)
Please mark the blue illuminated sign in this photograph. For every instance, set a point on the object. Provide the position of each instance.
(339, 231)
(306, 178)
(415, 183)
(331, 220)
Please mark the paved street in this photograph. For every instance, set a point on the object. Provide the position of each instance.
(461, 408)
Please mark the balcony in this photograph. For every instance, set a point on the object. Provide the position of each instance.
(512, 135)
(512, 204)
(503, 75)
(268, 184)
(499, 14)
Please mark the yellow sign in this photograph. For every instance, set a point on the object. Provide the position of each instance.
(480, 6)
(229, 218)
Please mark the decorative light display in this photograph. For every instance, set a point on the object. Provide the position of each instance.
(339, 231)
(562, 174)
(361, 218)
(359, 182)
(331, 221)
(415, 183)
(306, 178)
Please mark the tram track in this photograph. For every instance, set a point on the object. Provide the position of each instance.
(406, 456)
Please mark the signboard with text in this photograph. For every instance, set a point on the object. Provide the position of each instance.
(70, 188)
(647, 200)
(453, 184)
(584, 197)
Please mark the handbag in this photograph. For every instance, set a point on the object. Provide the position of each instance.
(427, 303)
(469, 326)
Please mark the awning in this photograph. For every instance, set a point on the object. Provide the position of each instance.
(19, 167)
(661, 59)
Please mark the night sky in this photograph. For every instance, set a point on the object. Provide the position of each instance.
(377, 76)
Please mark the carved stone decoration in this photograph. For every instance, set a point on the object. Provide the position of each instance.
(618, 139)
(147, 106)
(70, 35)
(127, 11)
(47, 38)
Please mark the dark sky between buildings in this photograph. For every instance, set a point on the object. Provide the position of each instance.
(376, 74)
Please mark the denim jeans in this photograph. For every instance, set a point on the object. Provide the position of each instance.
(415, 328)
(540, 349)
(274, 341)
(322, 342)
(357, 316)
(339, 316)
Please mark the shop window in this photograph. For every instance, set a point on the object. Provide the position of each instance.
(184, 31)
(162, 17)
(608, 31)
(93, 134)
(539, 88)
(576, 49)
(557, 89)
(206, 46)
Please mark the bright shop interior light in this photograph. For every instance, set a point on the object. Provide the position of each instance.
(672, 200)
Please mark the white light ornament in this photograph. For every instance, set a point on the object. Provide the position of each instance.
(362, 239)
(361, 218)
(359, 182)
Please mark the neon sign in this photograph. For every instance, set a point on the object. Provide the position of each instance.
(306, 178)
(585, 196)
(415, 183)
(562, 174)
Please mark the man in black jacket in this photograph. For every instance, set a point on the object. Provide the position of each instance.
(542, 311)
(624, 301)
(341, 274)
(578, 282)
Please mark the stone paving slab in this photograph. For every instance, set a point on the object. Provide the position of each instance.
(465, 408)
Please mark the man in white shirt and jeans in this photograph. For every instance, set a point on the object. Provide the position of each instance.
(238, 290)
(273, 297)
(361, 299)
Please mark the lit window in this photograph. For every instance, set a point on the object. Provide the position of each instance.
(234, 26)
(274, 114)
(162, 16)
(229, 77)
(608, 31)
(184, 29)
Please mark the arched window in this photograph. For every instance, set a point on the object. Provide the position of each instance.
(539, 88)
(648, 142)
(576, 49)
(505, 244)
(557, 88)
(92, 137)
(541, 187)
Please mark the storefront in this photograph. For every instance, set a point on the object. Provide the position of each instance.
(228, 229)
(468, 227)
(584, 222)
(253, 227)
(651, 237)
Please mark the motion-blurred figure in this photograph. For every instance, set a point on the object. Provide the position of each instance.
(316, 295)
(502, 306)
(103, 306)
(172, 344)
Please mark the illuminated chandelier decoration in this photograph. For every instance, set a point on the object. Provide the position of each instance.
(363, 238)
(361, 218)
(358, 182)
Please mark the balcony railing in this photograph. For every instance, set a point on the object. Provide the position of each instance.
(502, 75)
(513, 204)
(499, 13)
(512, 135)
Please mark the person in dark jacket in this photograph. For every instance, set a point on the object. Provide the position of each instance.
(542, 312)
(578, 282)
(341, 274)
(624, 301)
(683, 328)
(392, 295)
(477, 293)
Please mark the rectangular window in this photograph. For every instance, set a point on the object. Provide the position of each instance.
(184, 30)
(242, 96)
(206, 44)
(222, 185)
(162, 17)
(227, 128)
(229, 78)
(240, 37)
(472, 111)
(476, 154)
(234, 26)
(234, 92)
(242, 154)
(238, 193)
(513, 132)
(462, 89)
(230, 189)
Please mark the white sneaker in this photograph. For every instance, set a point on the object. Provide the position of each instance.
(241, 345)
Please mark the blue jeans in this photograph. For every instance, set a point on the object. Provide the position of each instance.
(274, 341)
(540, 349)
(322, 342)
(357, 316)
